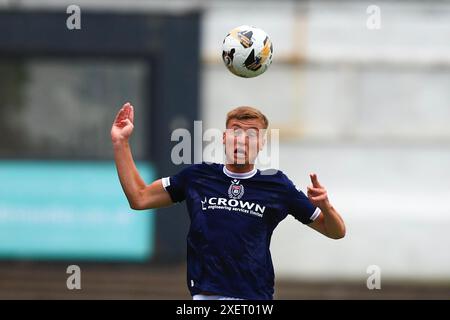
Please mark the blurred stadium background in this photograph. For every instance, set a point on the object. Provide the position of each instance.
(368, 110)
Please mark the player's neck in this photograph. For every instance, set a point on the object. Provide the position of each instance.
(240, 168)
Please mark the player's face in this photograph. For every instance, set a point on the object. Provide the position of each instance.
(243, 139)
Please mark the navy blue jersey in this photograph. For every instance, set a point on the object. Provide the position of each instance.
(232, 220)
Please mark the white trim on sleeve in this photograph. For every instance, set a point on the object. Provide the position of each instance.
(165, 182)
(315, 214)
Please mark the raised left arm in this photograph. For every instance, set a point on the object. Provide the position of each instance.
(329, 222)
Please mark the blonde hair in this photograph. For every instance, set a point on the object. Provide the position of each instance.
(245, 113)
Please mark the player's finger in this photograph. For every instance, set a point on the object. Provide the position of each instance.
(127, 109)
(121, 114)
(320, 198)
(127, 122)
(315, 191)
(131, 116)
(314, 180)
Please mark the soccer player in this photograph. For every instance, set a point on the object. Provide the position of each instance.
(233, 208)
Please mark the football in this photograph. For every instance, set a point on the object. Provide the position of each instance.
(247, 51)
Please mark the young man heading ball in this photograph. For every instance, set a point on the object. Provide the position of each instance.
(233, 207)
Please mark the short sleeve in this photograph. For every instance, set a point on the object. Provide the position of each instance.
(299, 205)
(176, 185)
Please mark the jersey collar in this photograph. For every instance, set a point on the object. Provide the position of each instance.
(244, 175)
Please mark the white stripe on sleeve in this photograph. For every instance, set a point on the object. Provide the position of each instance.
(315, 214)
(165, 182)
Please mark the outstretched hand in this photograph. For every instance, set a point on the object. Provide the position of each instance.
(317, 194)
(123, 124)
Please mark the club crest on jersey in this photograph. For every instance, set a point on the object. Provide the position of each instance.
(236, 190)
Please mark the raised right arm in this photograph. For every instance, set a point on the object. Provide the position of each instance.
(140, 196)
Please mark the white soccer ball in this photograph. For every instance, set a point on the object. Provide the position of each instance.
(247, 51)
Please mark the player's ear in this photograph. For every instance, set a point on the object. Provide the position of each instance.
(262, 138)
(262, 144)
(224, 137)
